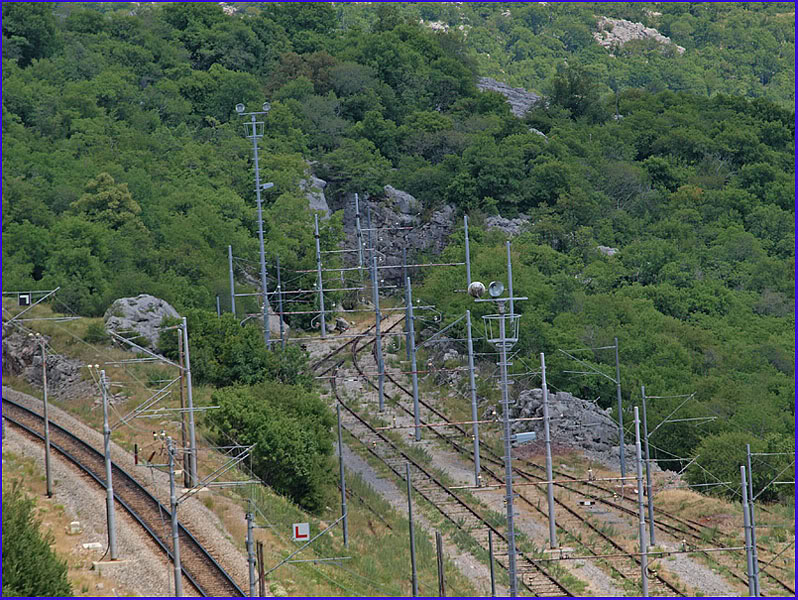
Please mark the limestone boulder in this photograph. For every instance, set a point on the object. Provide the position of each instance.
(402, 203)
(141, 315)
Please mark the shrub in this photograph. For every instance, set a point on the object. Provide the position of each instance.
(30, 567)
(223, 353)
(96, 334)
(291, 430)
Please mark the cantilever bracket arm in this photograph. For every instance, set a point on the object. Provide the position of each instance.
(589, 366)
(42, 299)
(449, 326)
(673, 412)
(120, 338)
(156, 397)
(216, 474)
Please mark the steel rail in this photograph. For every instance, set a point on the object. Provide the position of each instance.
(551, 583)
(190, 546)
(497, 460)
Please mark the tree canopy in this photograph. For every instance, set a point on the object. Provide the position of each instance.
(127, 171)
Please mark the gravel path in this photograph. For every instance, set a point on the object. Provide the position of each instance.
(698, 576)
(203, 523)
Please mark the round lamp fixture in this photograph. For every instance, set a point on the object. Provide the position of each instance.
(239, 108)
(495, 289)
(476, 289)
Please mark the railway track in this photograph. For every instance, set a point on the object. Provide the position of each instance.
(666, 522)
(199, 567)
(679, 527)
(454, 508)
(534, 577)
(669, 523)
(627, 568)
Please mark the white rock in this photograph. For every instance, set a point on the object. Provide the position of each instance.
(93, 546)
(402, 202)
(607, 251)
(73, 528)
(313, 188)
(142, 315)
(616, 32)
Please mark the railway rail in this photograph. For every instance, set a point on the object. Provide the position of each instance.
(534, 577)
(458, 512)
(669, 523)
(666, 522)
(658, 584)
(199, 567)
(679, 527)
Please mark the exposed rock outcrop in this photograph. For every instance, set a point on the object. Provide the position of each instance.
(511, 227)
(616, 32)
(22, 356)
(573, 422)
(313, 188)
(402, 203)
(394, 214)
(142, 315)
(519, 99)
(607, 250)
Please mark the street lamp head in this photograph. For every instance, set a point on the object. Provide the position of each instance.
(476, 289)
(239, 108)
(266, 107)
(495, 289)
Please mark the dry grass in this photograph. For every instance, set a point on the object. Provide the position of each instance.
(705, 509)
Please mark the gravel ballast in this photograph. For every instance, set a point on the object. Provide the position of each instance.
(202, 523)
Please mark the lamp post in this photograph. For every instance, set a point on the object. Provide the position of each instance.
(255, 131)
(504, 339)
(43, 346)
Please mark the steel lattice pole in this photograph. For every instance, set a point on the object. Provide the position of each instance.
(109, 485)
(508, 466)
(264, 290)
(549, 470)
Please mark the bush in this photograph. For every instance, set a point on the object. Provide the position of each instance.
(223, 353)
(96, 334)
(30, 567)
(291, 430)
(722, 454)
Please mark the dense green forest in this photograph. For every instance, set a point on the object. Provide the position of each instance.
(127, 171)
(739, 48)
